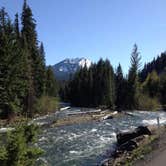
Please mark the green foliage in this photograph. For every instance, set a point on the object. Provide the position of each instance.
(3, 154)
(19, 147)
(99, 86)
(36, 53)
(51, 83)
(93, 87)
(12, 87)
(147, 103)
(22, 65)
(141, 151)
(46, 104)
(133, 82)
(162, 88)
(149, 97)
(158, 64)
(151, 84)
(24, 76)
(121, 87)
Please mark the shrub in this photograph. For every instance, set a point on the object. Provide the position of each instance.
(147, 103)
(46, 104)
(18, 149)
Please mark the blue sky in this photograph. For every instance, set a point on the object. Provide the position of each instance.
(97, 28)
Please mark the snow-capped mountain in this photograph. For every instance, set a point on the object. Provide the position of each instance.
(67, 67)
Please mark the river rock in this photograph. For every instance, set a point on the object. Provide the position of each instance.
(127, 136)
(128, 146)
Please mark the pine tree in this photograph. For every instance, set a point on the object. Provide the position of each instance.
(120, 88)
(29, 98)
(99, 89)
(4, 58)
(12, 85)
(18, 149)
(29, 27)
(29, 38)
(51, 84)
(110, 85)
(158, 64)
(90, 86)
(162, 88)
(94, 86)
(16, 26)
(22, 65)
(133, 86)
(41, 71)
(35, 57)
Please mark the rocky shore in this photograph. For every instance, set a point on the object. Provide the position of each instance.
(137, 147)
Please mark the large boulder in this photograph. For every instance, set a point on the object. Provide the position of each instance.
(127, 136)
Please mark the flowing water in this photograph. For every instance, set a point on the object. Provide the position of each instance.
(90, 143)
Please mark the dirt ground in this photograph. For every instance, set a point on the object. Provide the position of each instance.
(158, 156)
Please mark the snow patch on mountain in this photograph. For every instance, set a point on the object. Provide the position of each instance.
(67, 67)
(85, 62)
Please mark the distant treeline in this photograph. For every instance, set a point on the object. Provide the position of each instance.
(24, 77)
(101, 86)
(158, 64)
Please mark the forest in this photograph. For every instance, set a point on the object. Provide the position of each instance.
(25, 80)
(28, 88)
(101, 86)
(27, 84)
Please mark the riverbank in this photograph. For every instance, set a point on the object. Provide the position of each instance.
(157, 155)
(91, 137)
(89, 142)
(76, 117)
(151, 151)
(79, 118)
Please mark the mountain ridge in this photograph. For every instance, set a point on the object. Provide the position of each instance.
(67, 67)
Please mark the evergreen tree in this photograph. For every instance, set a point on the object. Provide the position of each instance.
(158, 64)
(22, 65)
(120, 88)
(16, 27)
(29, 98)
(18, 149)
(51, 84)
(94, 86)
(29, 38)
(110, 85)
(90, 86)
(41, 71)
(4, 59)
(10, 68)
(133, 84)
(99, 84)
(37, 55)
(162, 88)
(29, 28)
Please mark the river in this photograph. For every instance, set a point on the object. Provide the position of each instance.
(87, 144)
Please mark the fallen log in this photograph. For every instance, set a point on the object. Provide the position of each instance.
(65, 108)
(107, 117)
